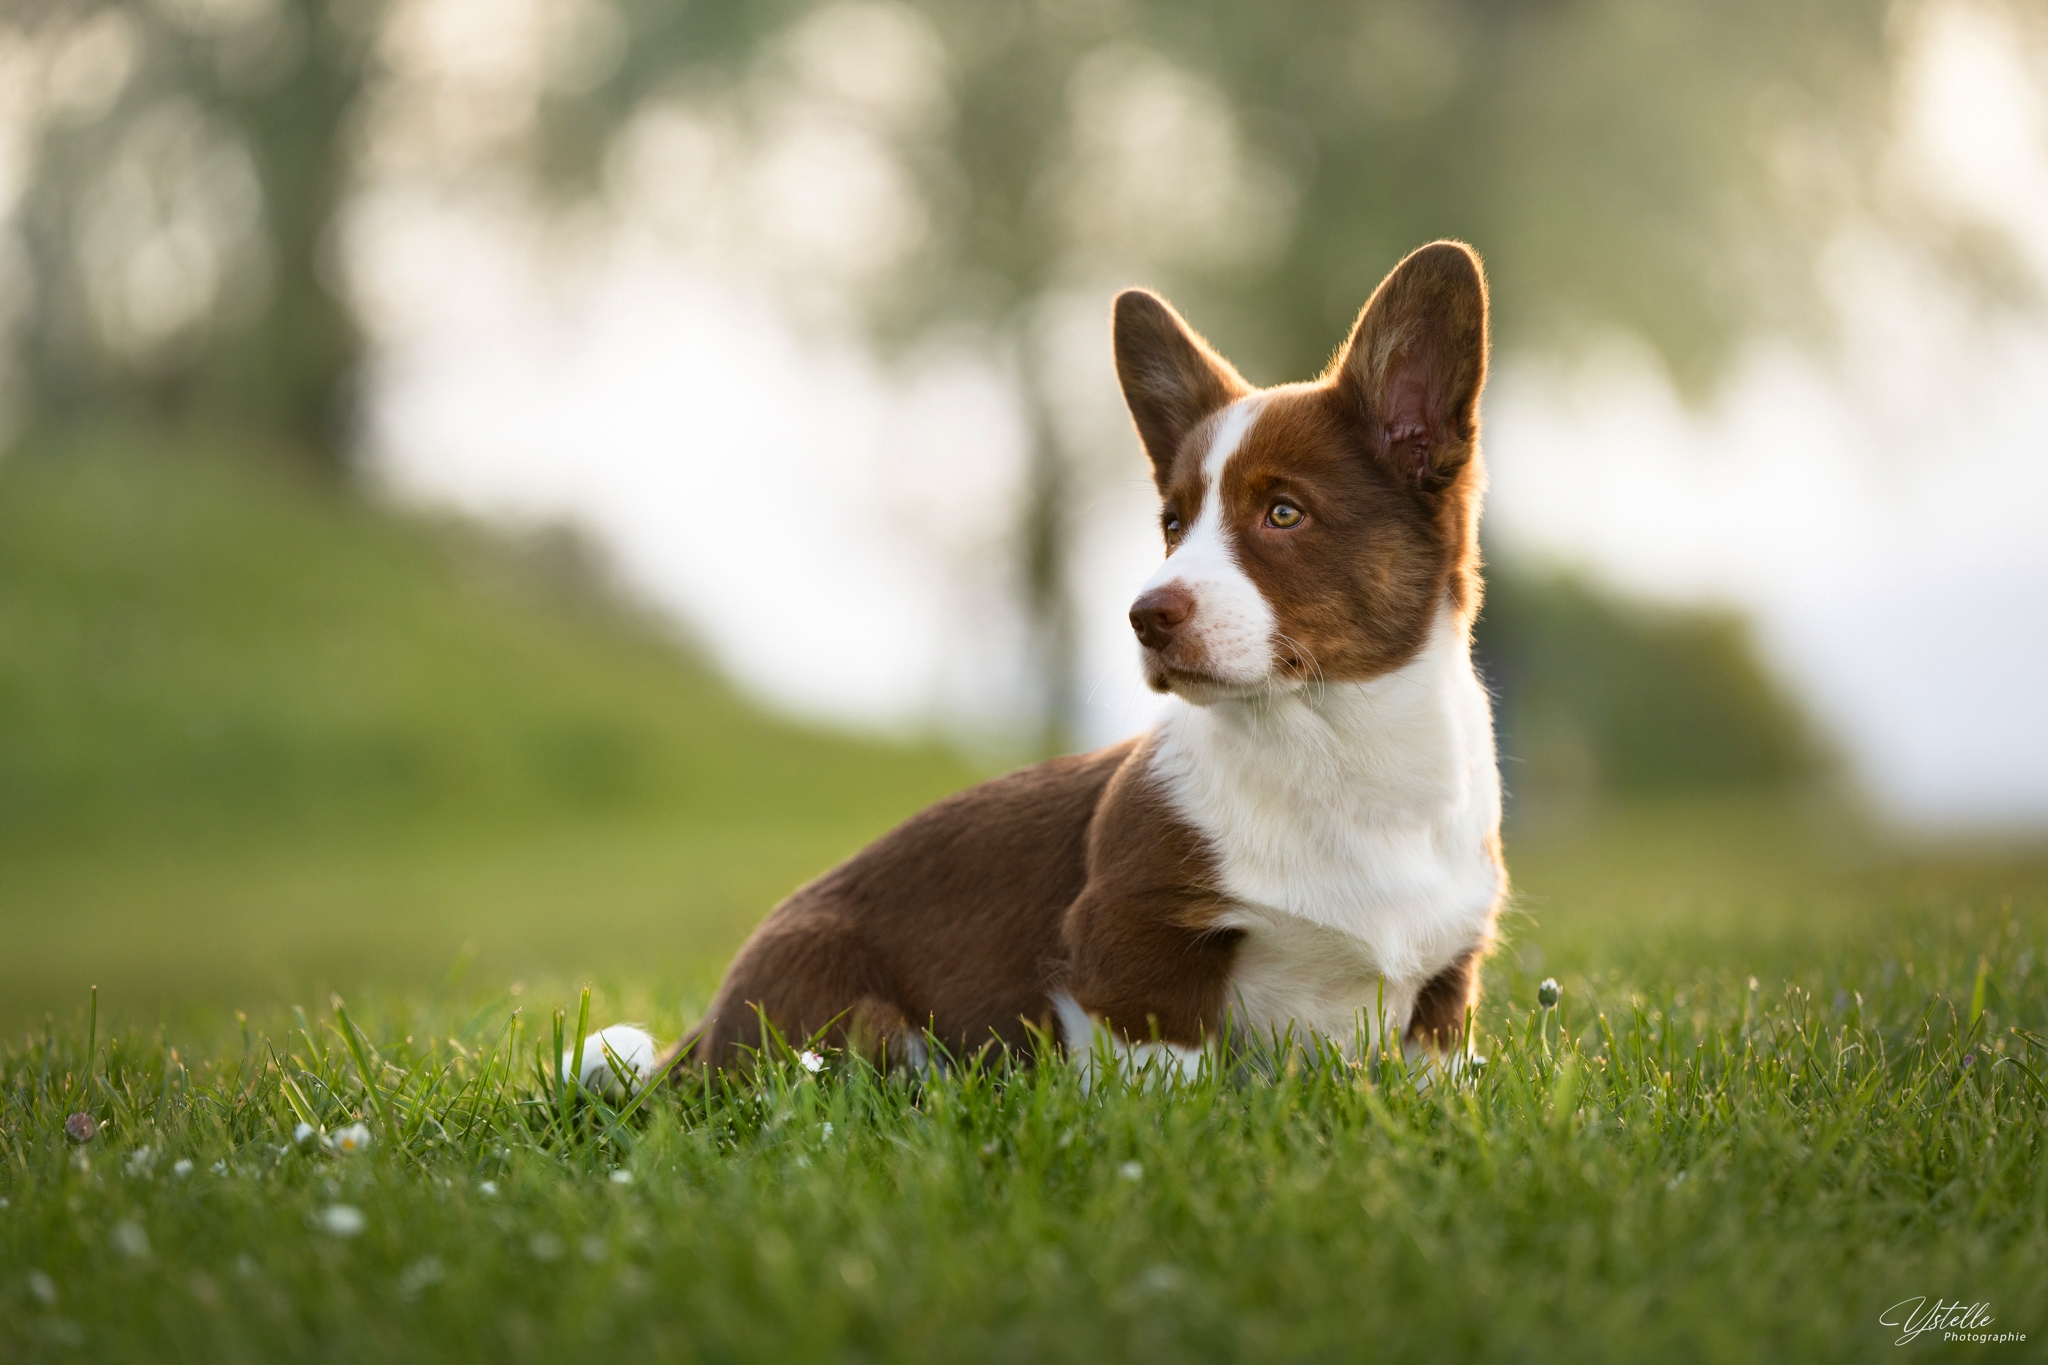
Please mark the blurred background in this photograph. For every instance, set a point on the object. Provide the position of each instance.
(526, 482)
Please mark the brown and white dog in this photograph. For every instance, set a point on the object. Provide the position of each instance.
(1309, 842)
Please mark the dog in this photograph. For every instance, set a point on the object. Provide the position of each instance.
(1309, 843)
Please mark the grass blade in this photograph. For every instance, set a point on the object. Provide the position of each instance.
(360, 1050)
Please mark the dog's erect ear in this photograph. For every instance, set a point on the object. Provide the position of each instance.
(1171, 377)
(1416, 362)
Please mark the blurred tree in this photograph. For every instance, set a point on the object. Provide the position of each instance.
(188, 161)
(1664, 167)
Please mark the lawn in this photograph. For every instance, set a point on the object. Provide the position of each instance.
(1793, 1077)
(1758, 1117)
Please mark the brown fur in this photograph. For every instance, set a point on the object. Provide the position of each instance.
(1076, 875)
(1439, 1017)
(949, 922)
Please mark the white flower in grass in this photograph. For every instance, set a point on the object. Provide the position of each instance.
(342, 1220)
(141, 1160)
(350, 1140)
(303, 1134)
(621, 1177)
(130, 1240)
(1132, 1170)
(488, 1189)
(182, 1167)
(811, 1061)
(43, 1287)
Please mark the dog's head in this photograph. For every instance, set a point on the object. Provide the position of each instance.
(1313, 531)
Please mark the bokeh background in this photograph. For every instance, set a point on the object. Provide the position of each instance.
(513, 486)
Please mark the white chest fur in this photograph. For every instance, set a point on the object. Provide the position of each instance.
(1354, 828)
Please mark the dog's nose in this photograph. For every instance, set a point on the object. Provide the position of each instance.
(1161, 612)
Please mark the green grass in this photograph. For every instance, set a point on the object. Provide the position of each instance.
(197, 647)
(259, 738)
(259, 742)
(1675, 1164)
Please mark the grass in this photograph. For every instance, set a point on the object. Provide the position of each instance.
(259, 743)
(258, 739)
(1719, 1145)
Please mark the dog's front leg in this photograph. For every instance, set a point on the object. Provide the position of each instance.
(1145, 981)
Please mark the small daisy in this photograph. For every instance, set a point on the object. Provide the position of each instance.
(488, 1189)
(182, 1167)
(303, 1134)
(350, 1140)
(622, 1177)
(811, 1061)
(1131, 1170)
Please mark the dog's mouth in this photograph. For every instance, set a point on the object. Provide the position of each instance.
(1195, 684)
(1291, 669)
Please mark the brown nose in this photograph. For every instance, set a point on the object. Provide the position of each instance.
(1161, 612)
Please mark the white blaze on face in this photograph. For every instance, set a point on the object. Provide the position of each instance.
(1232, 628)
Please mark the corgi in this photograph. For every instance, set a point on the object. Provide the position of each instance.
(1308, 844)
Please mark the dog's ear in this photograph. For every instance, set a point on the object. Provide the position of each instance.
(1416, 362)
(1172, 379)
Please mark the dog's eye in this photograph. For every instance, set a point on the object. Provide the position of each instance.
(1285, 516)
(1173, 528)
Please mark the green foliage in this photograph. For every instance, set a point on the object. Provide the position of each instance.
(1733, 1153)
(1667, 168)
(1602, 695)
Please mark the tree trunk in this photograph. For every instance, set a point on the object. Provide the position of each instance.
(1045, 541)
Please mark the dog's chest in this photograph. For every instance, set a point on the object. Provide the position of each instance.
(1355, 839)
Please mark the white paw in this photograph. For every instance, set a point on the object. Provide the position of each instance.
(1428, 1067)
(1091, 1047)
